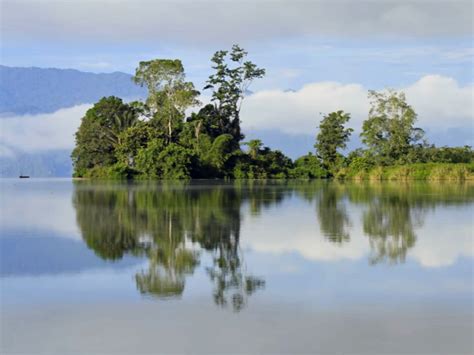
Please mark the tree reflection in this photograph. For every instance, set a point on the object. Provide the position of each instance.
(166, 274)
(231, 282)
(172, 224)
(392, 212)
(97, 214)
(390, 222)
(175, 224)
(169, 262)
(332, 215)
(395, 210)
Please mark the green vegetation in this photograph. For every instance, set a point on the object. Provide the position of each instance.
(419, 171)
(158, 139)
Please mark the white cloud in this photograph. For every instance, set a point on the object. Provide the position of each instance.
(213, 21)
(441, 103)
(298, 112)
(36, 133)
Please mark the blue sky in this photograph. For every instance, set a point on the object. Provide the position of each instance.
(290, 63)
(422, 47)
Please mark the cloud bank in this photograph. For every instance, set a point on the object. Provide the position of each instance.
(441, 103)
(39, 133)
(211, 21)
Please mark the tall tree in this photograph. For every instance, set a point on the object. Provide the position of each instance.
(333, 135)
(169, 94)
(389, 131)
(230, 82)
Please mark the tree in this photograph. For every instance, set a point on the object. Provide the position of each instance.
(96, 138)
(332, 136)
(389, 131)
(229, 85)
(169, 94)
(254, 147)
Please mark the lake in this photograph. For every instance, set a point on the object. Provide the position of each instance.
(236, 267)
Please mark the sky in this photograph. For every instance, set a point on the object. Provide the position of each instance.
(319, 55)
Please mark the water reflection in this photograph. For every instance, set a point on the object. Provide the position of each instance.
(395, 211)
(174, 224)
(171, 225)
(390, 224)
(332, 214)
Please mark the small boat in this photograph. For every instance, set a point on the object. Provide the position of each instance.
(24, 177)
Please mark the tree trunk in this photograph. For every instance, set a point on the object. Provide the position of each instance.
(198, 130)
(169, 131)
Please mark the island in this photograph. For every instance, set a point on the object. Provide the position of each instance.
(161, 138)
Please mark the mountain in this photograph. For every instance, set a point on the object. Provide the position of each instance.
(40, 90)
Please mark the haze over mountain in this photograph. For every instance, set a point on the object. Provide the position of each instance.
(29, 93)
(40, 90)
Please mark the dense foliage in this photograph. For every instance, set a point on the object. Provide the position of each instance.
(160, 139)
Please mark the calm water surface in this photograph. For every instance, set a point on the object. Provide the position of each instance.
(287, 267)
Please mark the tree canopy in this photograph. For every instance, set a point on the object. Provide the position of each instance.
(169, 94)
(389, 131)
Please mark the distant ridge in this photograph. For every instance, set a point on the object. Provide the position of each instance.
(44, 90)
